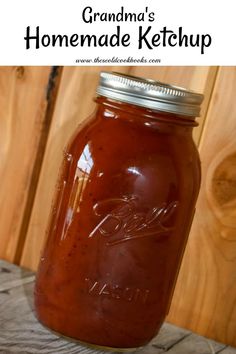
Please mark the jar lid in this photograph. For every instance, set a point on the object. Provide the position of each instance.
(149, 93)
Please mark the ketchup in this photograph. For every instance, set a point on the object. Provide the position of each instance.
(120, 220)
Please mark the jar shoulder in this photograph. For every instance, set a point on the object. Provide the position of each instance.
(127, 158)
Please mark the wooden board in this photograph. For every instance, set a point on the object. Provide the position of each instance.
(23, 104)
(205, 295)
(73, 105)
(11, 275)
(228, 350)
(20, 332)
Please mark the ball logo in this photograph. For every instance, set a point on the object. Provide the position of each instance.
(122, 219)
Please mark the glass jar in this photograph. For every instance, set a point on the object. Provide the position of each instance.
(121, 215)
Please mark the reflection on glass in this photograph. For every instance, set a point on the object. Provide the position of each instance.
(85, 162)
(84, 166)
(134, 170)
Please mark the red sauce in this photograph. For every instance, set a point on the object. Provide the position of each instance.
(119, 224)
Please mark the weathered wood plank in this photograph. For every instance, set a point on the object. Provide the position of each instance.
(169, 335)
(15, 283)
(228, 350)
(11, 275)
(22, 333)
(193, 344)
(12, 270)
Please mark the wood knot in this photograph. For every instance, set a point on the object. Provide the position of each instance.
(20, 71)
(224, 181)
(222, 196)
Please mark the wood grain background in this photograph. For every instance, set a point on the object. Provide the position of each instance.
(205, 295)
(34, 129)
(22, 115)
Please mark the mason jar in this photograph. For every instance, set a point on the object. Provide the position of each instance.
(121, 215)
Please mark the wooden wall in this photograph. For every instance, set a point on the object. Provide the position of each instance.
(23, 106)
(41, 107)
(205, 296)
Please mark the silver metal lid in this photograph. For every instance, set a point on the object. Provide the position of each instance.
(148, 93)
